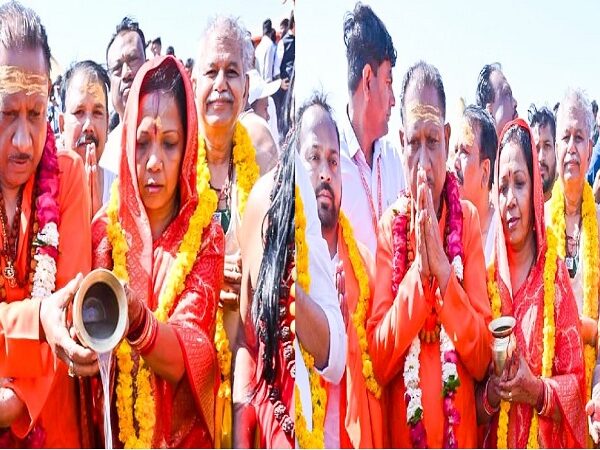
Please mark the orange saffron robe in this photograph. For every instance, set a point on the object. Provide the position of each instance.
(465, 314)
(360, 411)
(39, 379)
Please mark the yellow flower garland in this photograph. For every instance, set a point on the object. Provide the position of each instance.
(589, 243)
(318, 394)
(548, 337)
(143, 407)
(247, 172)
(360, 314)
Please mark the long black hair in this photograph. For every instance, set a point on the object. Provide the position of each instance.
(279, 239)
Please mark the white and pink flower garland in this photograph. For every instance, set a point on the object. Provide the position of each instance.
(47, 214)
(47, 217)
(401, 258)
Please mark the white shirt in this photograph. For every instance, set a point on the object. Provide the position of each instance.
(266, 52)
(111, 157)
(355, 199)
(322, 290)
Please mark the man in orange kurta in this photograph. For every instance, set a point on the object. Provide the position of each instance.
(430, 295)
(353, 417)
(38, 400)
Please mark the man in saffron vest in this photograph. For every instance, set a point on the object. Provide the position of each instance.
(428, 335)
(46, 242)
(353, 417)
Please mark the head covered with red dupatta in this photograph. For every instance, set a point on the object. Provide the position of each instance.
(132, 213)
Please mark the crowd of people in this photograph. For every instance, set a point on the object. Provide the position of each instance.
(421, 247)
(185, 194)
(292, 278)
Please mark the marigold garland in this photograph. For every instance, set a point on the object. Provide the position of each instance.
(247, 172)
(143, 407)
(314, 438)
(589, 243)
(548, 337)
(359, 316)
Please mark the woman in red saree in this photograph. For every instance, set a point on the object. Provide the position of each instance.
(165, 380)
(541, 408)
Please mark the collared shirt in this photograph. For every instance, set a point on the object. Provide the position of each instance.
(322, 291)
(384, 180)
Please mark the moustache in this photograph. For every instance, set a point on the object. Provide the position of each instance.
(85, 139)
(20, 157)
(225, 96)
(324, 187)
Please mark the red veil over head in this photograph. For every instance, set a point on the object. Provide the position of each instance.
(132, 213)
(527, 306)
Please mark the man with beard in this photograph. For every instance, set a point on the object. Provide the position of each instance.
(495, 94)
(372, 173)
(353, 416)
(543, 128)
(84, 123)
(474, 167)
(125, 54)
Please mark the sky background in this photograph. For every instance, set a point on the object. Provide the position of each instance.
(79, 30)
(544, 47)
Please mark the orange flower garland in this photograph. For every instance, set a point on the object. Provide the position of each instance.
(359, 316)
(314, 438)
(589, 243)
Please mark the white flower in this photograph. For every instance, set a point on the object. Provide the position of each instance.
(411, 378)
(49, 235)
(449, 370)
(44, 278)
(458, 267)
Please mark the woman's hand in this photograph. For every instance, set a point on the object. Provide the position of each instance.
(518, 384)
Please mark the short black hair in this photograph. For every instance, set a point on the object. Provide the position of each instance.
(594, 107)
(21, 28)
(127, 24)
(316, 99)
(156, 41)
(488, 139)
(92, 69)
(189, 63)
(285, 22)
(427, 75)
(519, 135)
(367, 42)
(267, 26)
(542, 117)
(167, 80)
(170, 50)
(485, 92)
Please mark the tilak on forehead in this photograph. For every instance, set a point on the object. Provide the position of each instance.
(421, 111)
(466, 136)
(13, 80)
(93, 88)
